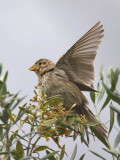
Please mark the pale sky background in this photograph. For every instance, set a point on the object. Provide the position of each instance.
(34, 29)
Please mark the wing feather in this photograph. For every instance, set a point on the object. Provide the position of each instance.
(77, 62)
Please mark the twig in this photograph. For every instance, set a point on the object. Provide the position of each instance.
(7, 141)
(34, 135)
(98, 115)
(34, 145)
(30, 138)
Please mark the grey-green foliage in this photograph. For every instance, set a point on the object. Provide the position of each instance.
(8, 102)
(112, 100)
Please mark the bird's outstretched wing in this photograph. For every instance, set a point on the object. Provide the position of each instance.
(77, 63)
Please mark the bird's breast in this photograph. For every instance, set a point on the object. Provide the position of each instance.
(46, 82)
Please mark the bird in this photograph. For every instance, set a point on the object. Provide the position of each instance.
(72, 74)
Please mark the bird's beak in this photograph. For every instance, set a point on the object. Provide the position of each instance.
(33, 68)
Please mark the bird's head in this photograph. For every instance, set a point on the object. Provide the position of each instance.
(42, 66)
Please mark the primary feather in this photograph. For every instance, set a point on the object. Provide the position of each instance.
(77, 62)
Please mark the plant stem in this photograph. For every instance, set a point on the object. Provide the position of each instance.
(30, 138)
(110, 148)
(34, 145)
(7, 141)
(98, 115)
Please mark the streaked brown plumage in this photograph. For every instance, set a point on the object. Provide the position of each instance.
(72, 74)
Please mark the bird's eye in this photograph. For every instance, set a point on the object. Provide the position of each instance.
(40, 63)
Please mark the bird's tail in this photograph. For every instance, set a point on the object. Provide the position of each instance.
(99, 127)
